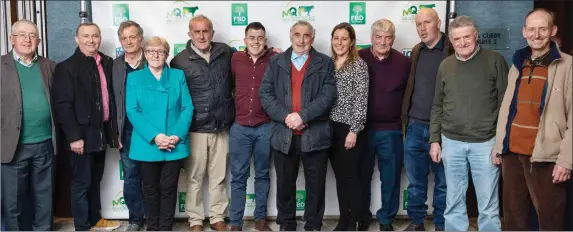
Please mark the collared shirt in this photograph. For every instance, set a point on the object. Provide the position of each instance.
(21, 61)
(104, 92)
(377, 57)
(137, 63)
(248, 76)
(204, 55)
(472, 56)
(298, 61)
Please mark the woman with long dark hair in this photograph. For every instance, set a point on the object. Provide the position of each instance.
(348, 117)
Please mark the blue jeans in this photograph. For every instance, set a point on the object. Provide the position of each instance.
(243, 142)
(418, 164)
(29, 177)
(388, 147)
(458, 158)
(131, 181)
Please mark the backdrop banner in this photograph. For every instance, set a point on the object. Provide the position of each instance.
(170, 19)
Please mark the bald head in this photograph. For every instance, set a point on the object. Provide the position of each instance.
(538, 30)
(540, 14)
(428, 26)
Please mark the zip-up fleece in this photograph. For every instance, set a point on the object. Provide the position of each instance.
(553, 142)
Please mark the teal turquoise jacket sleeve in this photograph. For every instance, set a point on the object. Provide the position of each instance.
(181, 128)
(141, 124)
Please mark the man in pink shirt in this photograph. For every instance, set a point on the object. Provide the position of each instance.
(85, 112)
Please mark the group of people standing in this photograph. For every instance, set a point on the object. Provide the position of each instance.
(451, 107)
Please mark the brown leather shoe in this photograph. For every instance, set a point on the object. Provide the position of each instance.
(262, 225)
(236, 228)
(219, 226)
(197, 228)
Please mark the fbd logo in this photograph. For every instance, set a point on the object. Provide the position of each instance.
(177, 48)
(297, 12)
(300, 199)
(357, 13)
(181, 14)
(410, 12)
(237, 45)
(118, 205)
(239, 14)
(181, 205)
(407, 52)
(120, 13)
(118, 53)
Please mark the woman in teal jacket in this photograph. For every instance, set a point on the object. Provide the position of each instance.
(159, 106)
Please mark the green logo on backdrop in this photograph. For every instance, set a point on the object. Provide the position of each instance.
(300, 199)
(362, 46)
(410, 13)
(295, 13)
(405, 203)
(181, 14)
(357, 14)
(120, 170)
(239, 14)
(120, 13)
(177, 48)
(181, 204)
(250, 202)
(118, 205)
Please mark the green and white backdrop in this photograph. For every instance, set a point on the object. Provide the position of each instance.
(169, 19)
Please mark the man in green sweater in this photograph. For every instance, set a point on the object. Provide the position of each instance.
(469, 90)
(27, 135)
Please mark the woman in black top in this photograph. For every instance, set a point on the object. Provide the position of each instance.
(348, 117)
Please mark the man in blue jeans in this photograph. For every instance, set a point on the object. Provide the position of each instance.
(131, 38)
(416, 110)
(250, 134)
(388, 70)
(469, 90)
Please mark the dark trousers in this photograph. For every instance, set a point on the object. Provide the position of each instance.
(345, 166)
(418, 164)
(30, 170)
(286, 167)
(159, 181)
(527, 185)
(131, 181)
(388, 147)
(87, 173)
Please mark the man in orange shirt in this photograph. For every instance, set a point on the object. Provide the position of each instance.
(300, 128)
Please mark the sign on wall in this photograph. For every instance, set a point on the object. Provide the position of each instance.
(170, 19)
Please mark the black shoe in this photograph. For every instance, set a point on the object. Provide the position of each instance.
(287, 228)
(362, 225)
(342, 225)
(386, 227)
(415, 227)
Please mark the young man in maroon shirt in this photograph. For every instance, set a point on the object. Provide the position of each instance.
(250, 133)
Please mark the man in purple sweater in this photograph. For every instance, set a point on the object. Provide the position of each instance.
(388, 70)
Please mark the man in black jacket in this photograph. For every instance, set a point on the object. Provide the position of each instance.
(85, 111)
(207, 66)
(300, 127)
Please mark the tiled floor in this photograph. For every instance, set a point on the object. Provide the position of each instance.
(66, 224)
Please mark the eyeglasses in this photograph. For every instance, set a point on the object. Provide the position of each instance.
(156, 52)
(24, 36)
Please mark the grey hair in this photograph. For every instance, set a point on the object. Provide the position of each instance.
(23, 21)
(303, 23)
(129, 23)
(201, 18)
(462, 21)
(383, 25)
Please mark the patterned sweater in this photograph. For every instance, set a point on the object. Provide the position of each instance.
(351, 104)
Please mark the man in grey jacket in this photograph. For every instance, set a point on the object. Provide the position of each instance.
(300, 127)
(207, 67)
(28, 132)
(131, 38)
